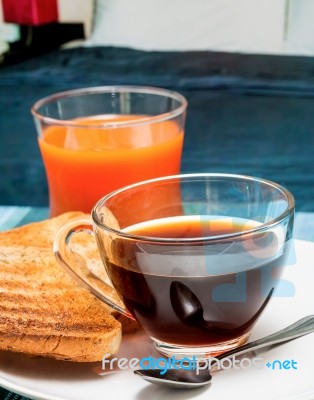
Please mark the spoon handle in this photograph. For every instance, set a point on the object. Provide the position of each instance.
(302, 327)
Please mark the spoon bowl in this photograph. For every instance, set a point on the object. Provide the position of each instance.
(176, 378)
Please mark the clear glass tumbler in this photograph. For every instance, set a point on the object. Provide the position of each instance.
(96, 140)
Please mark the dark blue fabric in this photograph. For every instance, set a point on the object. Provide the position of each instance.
(250, 114)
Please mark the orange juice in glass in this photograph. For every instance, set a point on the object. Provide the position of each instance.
(96, 140)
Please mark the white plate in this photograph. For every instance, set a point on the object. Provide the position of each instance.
(54, 380)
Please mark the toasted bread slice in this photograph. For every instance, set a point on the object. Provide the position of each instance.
(43, 311)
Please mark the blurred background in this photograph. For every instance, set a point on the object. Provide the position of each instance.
(246, 68)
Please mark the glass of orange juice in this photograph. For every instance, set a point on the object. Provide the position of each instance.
(96, 140)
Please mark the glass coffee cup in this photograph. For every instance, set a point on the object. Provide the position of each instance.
(195, 259)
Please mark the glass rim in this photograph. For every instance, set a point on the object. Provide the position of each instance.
(180, 109)
(260, 228)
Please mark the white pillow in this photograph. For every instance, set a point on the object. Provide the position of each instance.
(300, 32)
(227, 25)
(77, 11)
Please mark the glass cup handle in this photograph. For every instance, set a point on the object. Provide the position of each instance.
(73, 264)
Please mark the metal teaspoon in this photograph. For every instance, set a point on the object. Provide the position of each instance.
(187, 379)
